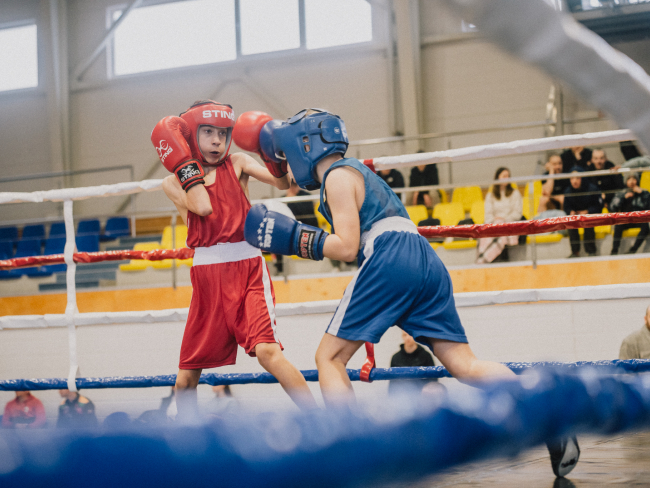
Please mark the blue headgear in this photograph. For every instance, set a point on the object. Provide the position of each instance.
(306, 139)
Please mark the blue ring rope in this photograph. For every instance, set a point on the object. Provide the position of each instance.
(377, 374)
(400, 442)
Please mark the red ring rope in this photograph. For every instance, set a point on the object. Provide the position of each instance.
(479, 230)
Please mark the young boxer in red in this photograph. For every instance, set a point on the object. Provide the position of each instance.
(232, 296)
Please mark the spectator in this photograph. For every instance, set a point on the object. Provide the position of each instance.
(607, 184)
(631, 199)
(425, 175)
(223, 402)
(411, 354)
(581, 198)
(76, 411)
(629, 150)
(552, 197)
(502, 204)
(637, 344)
(392, 177)
(24, 412)
(575, 156)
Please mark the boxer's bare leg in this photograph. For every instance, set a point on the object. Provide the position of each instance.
(186, 382)
(271, 359)
(332, 357)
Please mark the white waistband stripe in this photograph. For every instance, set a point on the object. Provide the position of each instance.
(225, 253)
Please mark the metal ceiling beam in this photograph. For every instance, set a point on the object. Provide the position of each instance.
(83, 66)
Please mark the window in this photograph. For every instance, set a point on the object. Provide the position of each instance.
(337, 22)
(18, 58)
(184, 33)
(173, 35)
(269, 25)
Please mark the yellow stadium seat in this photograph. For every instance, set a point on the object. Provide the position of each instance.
(449, 213)
(435, 245)
(417, 213)
(631, 232)
(545, 238)
(645, 181)
(166, 243)
(467, 196)
(322, 222)
(181, 237)
(537, 193)
(477, 212)
(459, 244)
(444, 198)
(140, 264)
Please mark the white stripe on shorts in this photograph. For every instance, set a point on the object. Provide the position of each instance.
(268, 297)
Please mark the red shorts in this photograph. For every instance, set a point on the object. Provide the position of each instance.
(232, 303)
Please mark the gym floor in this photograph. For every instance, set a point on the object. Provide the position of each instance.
(620, 460)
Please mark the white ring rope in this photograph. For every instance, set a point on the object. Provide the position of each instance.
(501, 149)
(403, 161)
(472, 299)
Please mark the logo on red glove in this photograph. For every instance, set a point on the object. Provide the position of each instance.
(164, 150)
(188, 171)
(306, 244)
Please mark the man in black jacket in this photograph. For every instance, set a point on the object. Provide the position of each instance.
(582, 197)
(607, 184)
(411, 354)
(632, 199)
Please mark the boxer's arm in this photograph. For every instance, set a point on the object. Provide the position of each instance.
(196, 199)
(343, 188)
(252, 168)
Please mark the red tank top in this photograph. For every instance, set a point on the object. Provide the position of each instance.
(229, 209)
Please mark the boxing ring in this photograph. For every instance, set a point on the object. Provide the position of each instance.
(403, 439)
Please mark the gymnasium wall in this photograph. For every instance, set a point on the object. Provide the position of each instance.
(465, 84)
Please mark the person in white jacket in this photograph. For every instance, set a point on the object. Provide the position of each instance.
(502, 204)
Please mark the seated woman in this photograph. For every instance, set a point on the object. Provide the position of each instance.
(502, 204)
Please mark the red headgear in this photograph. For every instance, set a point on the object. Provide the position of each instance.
(208, 112)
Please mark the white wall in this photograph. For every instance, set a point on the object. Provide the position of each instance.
(466, 84)
(552, 331)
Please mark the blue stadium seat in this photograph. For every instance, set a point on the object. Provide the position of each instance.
(9, 234)
(27, 247)
(54, 245)
(36, 231)
(6, 249)
(88, 243)
(7, 252)
(90, 227)
(57, 229)
(115, 227)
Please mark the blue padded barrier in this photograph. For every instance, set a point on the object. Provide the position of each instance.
(615, 366)
(402, 441)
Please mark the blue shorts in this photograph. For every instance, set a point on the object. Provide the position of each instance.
(403, 283)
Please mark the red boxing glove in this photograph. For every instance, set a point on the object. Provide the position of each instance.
(169, 137)
(253, 132)
(246, 133)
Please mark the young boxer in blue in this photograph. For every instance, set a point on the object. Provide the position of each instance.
(400, 279)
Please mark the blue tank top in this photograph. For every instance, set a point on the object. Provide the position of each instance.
(379, 203)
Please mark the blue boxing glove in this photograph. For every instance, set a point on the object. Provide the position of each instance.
(276, 233)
